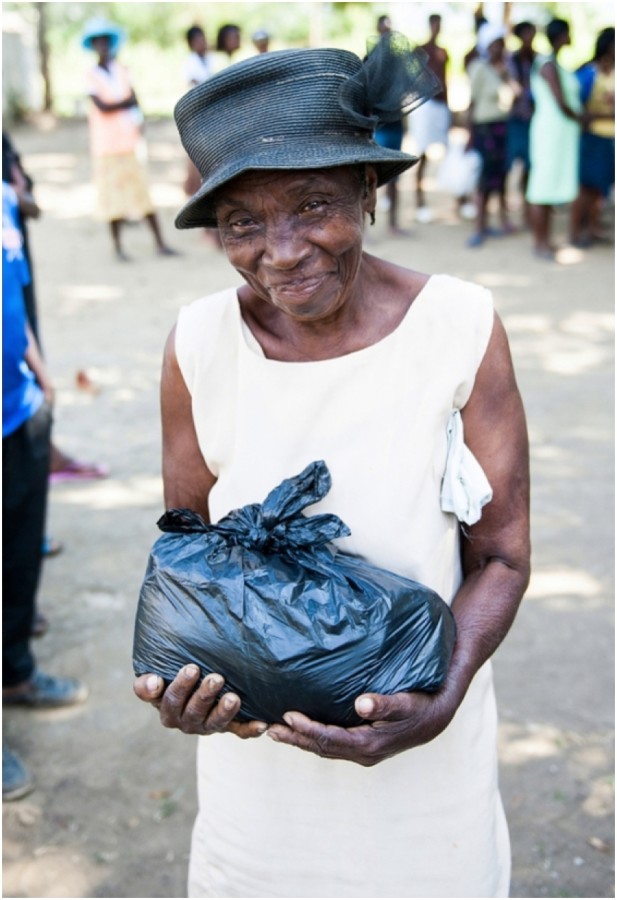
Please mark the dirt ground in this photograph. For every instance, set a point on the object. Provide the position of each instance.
(112, 812)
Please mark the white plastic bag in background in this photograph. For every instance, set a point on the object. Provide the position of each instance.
(460, 170)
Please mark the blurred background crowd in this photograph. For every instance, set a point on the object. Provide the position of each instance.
(485, 54)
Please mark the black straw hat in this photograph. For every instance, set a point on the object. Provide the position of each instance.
(298, 109)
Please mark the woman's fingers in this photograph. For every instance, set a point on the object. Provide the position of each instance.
(246, 730)
(193, 707)
(149, 688)
(385, 707)
(329, 741)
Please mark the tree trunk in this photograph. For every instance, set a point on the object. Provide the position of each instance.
(44, 55)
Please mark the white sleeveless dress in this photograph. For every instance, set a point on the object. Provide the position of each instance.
(275, 821)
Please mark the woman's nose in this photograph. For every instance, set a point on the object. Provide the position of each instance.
(286, 245)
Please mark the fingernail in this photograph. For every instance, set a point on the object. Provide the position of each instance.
(262, 728)
(273, 735)
(289, 719)
(365, 706)
(214, 681)
(229, 701)
(152, 684)
(190, 672)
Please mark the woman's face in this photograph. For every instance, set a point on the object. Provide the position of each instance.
(102, 46)
(199, 44)
(562, 40)
(296, 237)
(496, 50)
(232, 40)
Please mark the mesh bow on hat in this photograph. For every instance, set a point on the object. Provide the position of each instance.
(299, 109)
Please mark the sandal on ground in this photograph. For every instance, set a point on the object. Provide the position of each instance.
(476, 240)
(544, 254)
(74, 470)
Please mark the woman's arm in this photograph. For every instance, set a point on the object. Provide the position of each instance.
(551, 75)
(23, 188)
(36, 363)
(187, 481)
(495, 551)
(105, 107)
(496, 570)
(475, 77)
(503, 70)
(186, 704)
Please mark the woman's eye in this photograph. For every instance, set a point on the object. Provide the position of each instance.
(241, 223)
(314, 205)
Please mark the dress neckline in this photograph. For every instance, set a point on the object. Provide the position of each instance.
(250, 342)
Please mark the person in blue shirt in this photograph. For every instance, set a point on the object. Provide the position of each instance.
(597, 149)
(27, 396)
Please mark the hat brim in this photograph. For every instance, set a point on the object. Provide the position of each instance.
(199, 211)
(116, 38)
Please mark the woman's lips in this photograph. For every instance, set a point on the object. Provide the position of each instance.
(298, 287)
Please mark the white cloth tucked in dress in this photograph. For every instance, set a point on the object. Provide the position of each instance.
(465, 488)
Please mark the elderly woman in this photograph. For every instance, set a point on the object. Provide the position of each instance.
(327, 352)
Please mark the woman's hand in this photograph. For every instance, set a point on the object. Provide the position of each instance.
(395, 723)
(192, 707)
(36, 363)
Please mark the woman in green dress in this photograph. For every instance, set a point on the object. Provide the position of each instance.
(554, 138)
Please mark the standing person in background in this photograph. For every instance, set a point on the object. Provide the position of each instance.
(228, 40)
(492, 93)
(554, 138)
(431, 122)
(115, 120)
(466, 208)
(62, 466)
(197, 69)
(198, 66)
(597, 159)
(27, 397)
(390, 136)
(261, 41)
(15, 175)
(520, 64)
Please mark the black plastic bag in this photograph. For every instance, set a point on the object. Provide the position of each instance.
(291, 624)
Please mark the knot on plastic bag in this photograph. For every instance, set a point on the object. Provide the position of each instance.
(256, 535)
(261, 537)
(277, 524)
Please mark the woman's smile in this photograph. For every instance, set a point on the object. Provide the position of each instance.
(297, 289)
